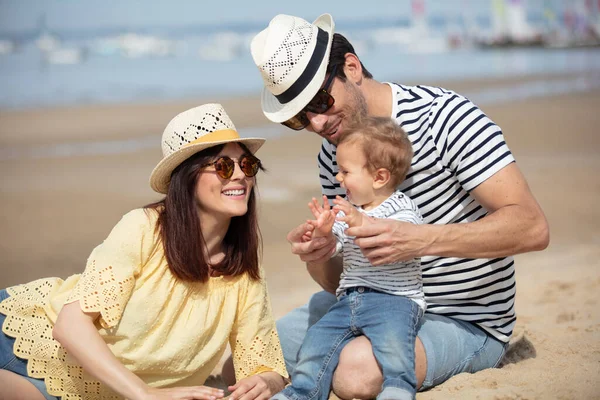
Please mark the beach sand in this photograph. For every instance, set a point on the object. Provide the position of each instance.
(54, 210)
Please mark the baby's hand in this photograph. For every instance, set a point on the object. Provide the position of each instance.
(325, 218)
(353, 217)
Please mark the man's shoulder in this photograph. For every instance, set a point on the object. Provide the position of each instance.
(407, 93)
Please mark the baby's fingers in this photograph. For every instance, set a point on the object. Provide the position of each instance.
(314, 208)
(341, 201)
(326, 206)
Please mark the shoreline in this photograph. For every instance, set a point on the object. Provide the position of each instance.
(20, 126)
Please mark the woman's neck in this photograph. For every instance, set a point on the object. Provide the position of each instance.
(214, 229)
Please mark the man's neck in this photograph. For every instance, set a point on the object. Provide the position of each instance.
(379, 98)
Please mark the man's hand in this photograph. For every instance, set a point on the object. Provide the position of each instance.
(317, 250)
(387, 241)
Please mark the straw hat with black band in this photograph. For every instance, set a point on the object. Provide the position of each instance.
(191, 132)
(292, 56)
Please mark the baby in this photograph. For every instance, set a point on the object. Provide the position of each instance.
(384, 303)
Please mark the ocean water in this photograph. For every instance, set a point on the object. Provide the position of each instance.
(62, 52)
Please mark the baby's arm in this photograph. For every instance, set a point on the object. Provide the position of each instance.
(325, 218)
(352, 216)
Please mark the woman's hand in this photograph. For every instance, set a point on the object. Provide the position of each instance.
(184, 393)
(261, 386)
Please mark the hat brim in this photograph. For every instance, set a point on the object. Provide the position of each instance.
(277, 112)
(161, 175)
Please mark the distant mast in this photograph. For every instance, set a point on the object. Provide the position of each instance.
(419, 20)
(499, 28)
(518, 28)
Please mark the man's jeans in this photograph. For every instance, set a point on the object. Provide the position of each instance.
(452, 346)
(390, 322)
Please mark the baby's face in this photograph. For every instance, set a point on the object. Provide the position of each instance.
(353, 174)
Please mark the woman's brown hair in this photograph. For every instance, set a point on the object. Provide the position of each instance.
(181, 234)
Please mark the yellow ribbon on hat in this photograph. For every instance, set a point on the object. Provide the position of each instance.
(216, 136)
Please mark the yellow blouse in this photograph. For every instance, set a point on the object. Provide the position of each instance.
(168, 332)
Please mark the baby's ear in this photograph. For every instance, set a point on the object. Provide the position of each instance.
(381, 178)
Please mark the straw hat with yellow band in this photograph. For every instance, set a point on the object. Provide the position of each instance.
(191, 132)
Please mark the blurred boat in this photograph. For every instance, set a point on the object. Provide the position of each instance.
(7, 46)
(46, 41)
(133, 45)
(580, 26)
(417, 38)
(65, 55)
(510, 27)
(224, 46)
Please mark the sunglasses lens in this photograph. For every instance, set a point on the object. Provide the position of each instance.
(322, 102)
(224, 167)
(298, 122)
(250, 165)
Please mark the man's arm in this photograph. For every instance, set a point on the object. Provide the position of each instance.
(515, 224)
(326, 274)
(316, 254)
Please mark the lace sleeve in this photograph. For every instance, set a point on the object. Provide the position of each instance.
(254, 341)
(111, 270)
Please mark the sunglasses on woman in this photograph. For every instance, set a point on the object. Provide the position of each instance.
(319, 104)
(224, 166)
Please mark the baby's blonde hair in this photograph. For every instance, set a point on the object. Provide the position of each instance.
(384, 144)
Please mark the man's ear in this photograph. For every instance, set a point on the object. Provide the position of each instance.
(381, 178)
(353, 69)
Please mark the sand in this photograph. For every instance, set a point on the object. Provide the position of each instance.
(54, 210)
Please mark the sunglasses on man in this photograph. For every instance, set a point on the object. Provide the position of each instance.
(319, 104)
(224, 166)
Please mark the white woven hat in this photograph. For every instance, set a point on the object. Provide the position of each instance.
(292, 56)
(191, 132)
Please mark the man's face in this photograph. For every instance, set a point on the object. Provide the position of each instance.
(349, 104)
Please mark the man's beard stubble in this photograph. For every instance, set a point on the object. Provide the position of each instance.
(354, 110)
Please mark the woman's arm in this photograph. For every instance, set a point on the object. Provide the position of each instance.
(76, 332)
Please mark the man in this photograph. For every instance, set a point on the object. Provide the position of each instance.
(476, 204)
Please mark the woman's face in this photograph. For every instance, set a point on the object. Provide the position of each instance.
(220, 197)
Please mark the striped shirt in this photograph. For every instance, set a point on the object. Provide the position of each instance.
(456, 147)
(399, 279)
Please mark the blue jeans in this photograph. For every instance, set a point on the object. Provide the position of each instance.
(10, 362)
(451, 346)
(389, 322)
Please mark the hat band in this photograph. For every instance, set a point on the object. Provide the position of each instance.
(309, 72)
(216, 136)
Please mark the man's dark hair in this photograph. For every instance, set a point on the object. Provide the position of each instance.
(340, 46)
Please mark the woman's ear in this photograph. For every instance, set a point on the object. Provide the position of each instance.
(381, 178)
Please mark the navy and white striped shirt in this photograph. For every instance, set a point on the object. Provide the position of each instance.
(456, 147)
(398, 279)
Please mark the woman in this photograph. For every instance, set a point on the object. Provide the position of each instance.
(162, 296)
